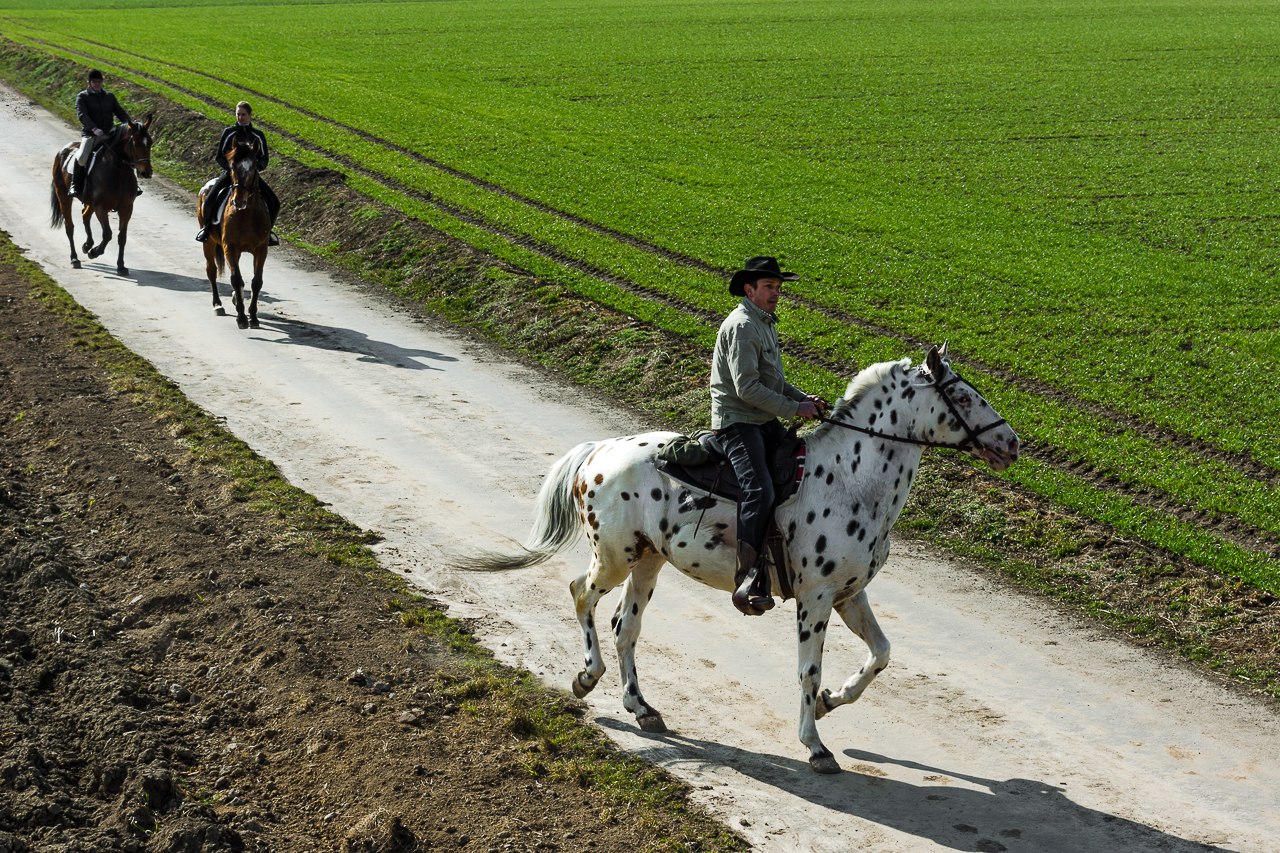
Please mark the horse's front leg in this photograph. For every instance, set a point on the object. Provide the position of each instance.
(237, 287)
(856, 613)
(106, 233)
(626, 630)
(121, 269)
(812, 617)
(259, 260)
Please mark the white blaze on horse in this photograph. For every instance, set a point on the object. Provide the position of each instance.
(859, 469)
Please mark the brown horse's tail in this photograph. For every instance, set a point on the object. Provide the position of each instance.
(55, 206)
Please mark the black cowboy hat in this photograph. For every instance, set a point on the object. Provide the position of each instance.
(761, 266)
(95, 74)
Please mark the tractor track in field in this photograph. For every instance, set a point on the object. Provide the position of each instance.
(1230, 528)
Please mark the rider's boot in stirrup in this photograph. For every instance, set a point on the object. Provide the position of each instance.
(273, 240)
(77, 180)
(750, 564)
(202, 235)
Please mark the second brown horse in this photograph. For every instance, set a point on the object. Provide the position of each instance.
(244, 227)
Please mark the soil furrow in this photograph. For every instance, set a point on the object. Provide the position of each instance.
(1227, 527)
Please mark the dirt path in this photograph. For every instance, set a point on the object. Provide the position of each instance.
(999, 725)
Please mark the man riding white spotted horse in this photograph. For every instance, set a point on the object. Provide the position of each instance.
(748, 396)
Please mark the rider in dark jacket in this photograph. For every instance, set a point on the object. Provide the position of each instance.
(216, 198)
(96, 108)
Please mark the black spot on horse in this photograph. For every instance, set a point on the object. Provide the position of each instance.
(821, 544)
(826, 512)
(656, 494)
(810, 517)
(663, 523)
(862, 534)
(635, 608)
(852, 527)
(804, 638)
(872, 420)
(626, 497)
(813, 669)
(830, 477)
(817, 472)
(893, 416)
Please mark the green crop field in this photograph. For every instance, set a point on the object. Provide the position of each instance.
(1081, 196)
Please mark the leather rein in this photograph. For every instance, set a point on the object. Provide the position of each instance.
(971, 434)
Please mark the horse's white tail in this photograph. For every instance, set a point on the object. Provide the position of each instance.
(555, 527)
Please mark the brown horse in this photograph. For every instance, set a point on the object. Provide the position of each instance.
(245, 227)
(111, 186)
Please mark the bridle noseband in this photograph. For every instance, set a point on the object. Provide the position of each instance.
(971, 434)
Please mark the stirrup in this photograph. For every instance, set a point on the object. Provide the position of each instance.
(748, 604)
(273, 240)
(138, 193)
(202, 235)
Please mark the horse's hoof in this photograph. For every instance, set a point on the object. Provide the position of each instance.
(580, 687)
(823, 705)
(122, 270)
(652, 722)
(219, 311)
(75, 263)
(244, 324)
(825, 764)
(253, 323)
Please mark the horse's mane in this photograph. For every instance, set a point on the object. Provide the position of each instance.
(859, 386)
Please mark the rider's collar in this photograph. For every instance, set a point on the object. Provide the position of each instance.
(759, 313)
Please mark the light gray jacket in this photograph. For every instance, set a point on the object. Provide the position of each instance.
(747, 385)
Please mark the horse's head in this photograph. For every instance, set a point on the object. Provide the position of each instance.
(137, 146)
(962, 417)
(242, 155)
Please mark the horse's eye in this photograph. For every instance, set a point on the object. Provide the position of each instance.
(962, 400)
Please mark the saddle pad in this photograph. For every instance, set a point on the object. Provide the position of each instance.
(69, 163)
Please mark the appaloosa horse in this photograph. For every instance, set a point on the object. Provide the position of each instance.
(858, 471)
(110, 186)
(245, 227)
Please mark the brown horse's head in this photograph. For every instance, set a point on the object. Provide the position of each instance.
(137, 146)
(242, 154)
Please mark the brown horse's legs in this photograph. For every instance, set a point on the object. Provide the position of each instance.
(97, 250)
(211, 250)
(125, 214)
(237, 286)
(87, 247)
(259, 260)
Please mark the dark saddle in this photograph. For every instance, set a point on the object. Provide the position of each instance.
(701, 462)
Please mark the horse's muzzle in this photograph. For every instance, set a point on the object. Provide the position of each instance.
(1000, 454)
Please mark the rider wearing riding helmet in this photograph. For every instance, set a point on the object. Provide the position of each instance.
(748, 396)
(216, 198)
(95, 108)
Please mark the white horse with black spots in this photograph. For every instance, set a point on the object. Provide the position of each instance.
(860, 466)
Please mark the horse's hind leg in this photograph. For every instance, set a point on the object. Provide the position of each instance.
(587, 591)
(626, 630)
(87, 219)
(856, 613)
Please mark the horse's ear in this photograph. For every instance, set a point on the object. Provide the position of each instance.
(933, 360)
(146, 122)
(943, 352)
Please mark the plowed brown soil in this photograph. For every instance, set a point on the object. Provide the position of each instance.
(176, 675)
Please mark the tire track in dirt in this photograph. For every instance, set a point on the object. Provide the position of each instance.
(1227, 527)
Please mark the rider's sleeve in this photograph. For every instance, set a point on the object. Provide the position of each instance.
(217, 153)
(744, 352)
(118, 110)
(266, 155)
(82, 113)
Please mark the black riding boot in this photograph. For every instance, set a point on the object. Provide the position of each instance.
(751, 578)
(77, 180)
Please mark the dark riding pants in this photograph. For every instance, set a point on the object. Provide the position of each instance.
(216, 200)
(749, 447)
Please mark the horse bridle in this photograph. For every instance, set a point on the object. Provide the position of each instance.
(971, 434)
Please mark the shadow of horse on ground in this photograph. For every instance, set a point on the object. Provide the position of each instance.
(1006, 815)
(337, 339)
(176, 283)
